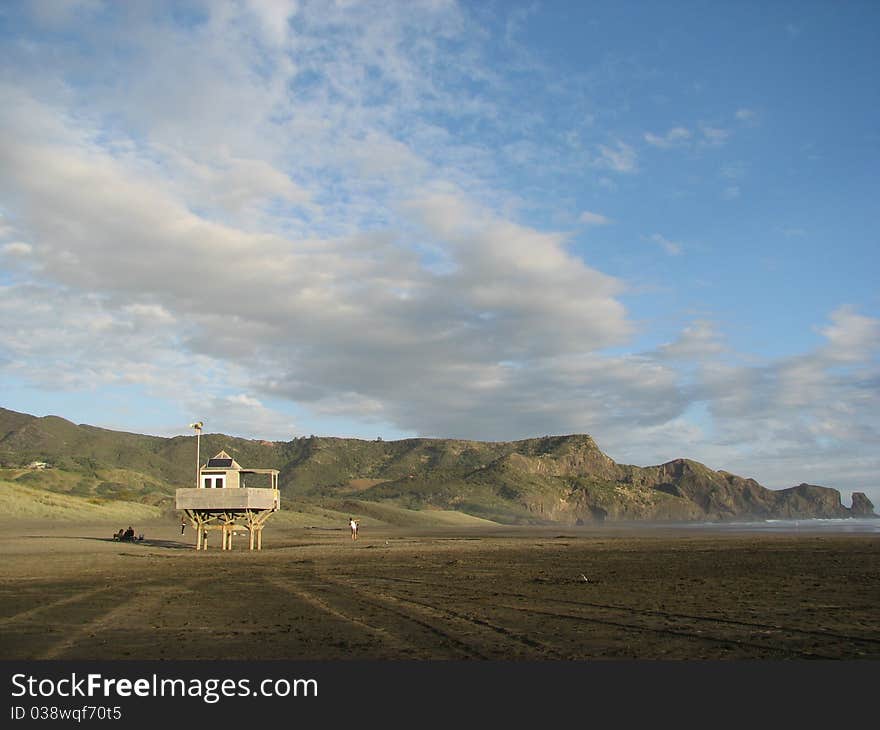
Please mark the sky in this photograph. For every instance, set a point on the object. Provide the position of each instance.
(651, 222)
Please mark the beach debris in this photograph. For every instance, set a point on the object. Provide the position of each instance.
(586, 580)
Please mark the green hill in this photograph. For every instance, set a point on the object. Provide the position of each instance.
(541, 480)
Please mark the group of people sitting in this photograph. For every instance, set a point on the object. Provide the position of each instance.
(127, 535)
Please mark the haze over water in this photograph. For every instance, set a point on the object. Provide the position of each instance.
(849, 525)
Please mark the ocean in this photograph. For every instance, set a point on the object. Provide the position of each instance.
(861, 525)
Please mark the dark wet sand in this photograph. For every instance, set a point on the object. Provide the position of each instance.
(68, 592)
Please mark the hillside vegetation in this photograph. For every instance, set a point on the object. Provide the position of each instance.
(553, 479)
(21, 502)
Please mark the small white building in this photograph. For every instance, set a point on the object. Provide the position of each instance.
(224, 472)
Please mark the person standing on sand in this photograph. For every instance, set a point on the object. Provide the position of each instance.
(353, 524)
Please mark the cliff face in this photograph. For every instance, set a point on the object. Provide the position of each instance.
(862, 506)
(550, 479)
(808, 500)
(568, 479)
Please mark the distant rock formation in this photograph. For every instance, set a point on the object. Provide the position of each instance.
(808, 500)
(862, 506)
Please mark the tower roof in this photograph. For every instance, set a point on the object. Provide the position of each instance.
(222, 461)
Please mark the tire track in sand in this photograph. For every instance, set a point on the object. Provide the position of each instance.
(693, 634)
(36, 610)
(311, 599)
(822, 634)
(345, 593)
(427, 615)
(140, 604)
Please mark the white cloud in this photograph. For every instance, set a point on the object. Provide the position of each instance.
(17, 248)
(236, 185)
(273, 17)
(60, 13)
(695, 343)
(809, 417)
(852, 337)
(747, 116)
(305, 310)
(713, 136)
(620, 157)
(675, 136)
(149, 313)
(240, 414)
(682, 137)
(594, 219)
(672, 248)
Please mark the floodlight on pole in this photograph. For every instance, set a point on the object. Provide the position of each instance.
(198, 427)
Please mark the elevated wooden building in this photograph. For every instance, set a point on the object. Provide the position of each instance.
(222, 502)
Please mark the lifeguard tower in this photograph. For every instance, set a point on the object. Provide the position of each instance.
(223, 502)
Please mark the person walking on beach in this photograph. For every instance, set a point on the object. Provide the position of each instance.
(353, 524)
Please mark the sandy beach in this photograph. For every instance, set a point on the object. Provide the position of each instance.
(68, 591)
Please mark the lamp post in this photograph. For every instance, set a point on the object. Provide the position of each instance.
(198, 427)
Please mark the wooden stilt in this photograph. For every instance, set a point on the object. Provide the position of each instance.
(226, 523)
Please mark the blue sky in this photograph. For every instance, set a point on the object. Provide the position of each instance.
(650, 222)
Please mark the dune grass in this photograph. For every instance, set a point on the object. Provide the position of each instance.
(336, 512)
(21, 502)
(387, 514)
